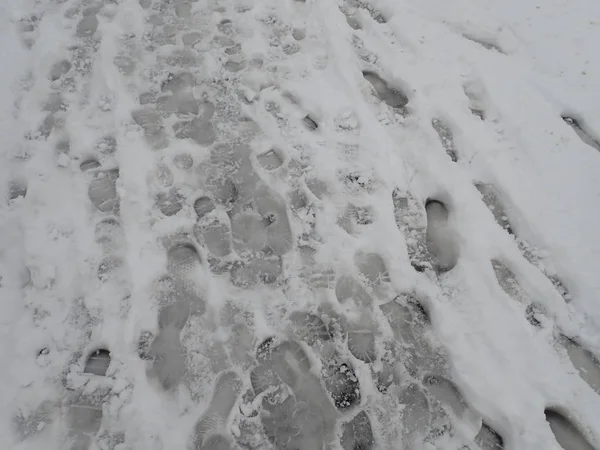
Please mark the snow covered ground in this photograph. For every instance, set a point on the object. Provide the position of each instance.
(275, 224)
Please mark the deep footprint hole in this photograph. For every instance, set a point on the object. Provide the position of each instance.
(97, 362)
(310, 123)
(89, 164)
(489, 439)
(567, 434)
(580, 129)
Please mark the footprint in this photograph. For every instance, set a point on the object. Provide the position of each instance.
(84, 419)
(175, 83)
(272, 207)
(267, 269)
(485, 43)
(54, 103)
(491, 198)
(168, 359)
(581, 132)
(191, 39)
(270, 160)
(124, 64)
(107, 145)
(181, 57)
(391, 96)
(318, 276)
(198, 130)
(566, 433)
(560, 288)
(475, 93)
(361, 343)
(488, 439)
(151, 123)
(215, 236)
(351, 18)
(410, 324)
(175, 315)
(507, 280)
(98, 362)
(287, 359)
(372, 267)
(183, 161)
(249, 232)
(230, 174)
(342, 384)
(585, 362)
(263, 378)
(290, 424)
(87, 26)
(83, 422)
(446, 137)
(202, 206)
(218, 442)
(406, 317)
(59, 69)
(182, 258)
(144, 345)
(441, 244)
(411, 220)
(102, 191)
(183, 10)
(347, 289)
(181, 104)
(357, 434)
(355, 218)
(169, 203)
(447, 394)
(309, 327)
(16, 189)
(109, 234)
(89, 164)
(416, 415)
(214, 419)
(34, 422)
(310, 123)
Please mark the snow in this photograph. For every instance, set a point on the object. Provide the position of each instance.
(299, 225)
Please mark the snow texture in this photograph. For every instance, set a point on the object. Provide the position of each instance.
(299, 225)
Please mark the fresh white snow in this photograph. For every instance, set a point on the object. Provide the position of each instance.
(333, 224)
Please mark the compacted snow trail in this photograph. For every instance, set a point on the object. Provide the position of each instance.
(336, 224)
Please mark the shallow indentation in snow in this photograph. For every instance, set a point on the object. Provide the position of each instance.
(102, 190)
(391, 96)
(203, 206)
(270, 160)
(357, 433)
(446, 137)
(214, 419)
(585, 362)
(491, 198)
(580, 130)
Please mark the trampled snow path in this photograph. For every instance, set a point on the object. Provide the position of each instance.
(300, 225)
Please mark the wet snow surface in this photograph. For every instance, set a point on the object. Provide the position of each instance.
(299, 225)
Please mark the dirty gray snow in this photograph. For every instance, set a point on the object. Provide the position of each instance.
(299, 225)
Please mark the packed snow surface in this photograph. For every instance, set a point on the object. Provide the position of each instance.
(300, 225)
